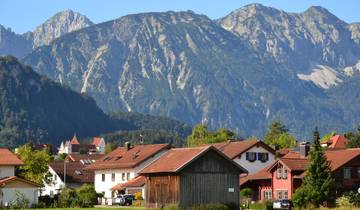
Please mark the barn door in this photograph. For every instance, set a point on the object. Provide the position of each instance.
(161, 194)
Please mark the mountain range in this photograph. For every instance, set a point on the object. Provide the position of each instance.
(243, 71)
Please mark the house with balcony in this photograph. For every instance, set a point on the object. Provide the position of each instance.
(122, 166)
(284, 176)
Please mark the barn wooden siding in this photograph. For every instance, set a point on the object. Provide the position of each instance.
(162, 190)
(208, 180)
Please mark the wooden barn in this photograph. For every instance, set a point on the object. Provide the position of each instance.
(192, 176)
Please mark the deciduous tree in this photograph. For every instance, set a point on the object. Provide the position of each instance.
(278, 135)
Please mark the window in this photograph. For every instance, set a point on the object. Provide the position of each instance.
(263, 156)
(282, 194)
(103, 177)
(113, 177)
(51, 193)
(267, 194)
(347, 173)
(358, 172)
(55, 177)
(251, 156)
(284, 174)
(278, 172)
(123, 176)
(128, 176)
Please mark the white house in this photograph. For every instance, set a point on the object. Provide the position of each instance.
(74, 170)
(73, 146)
(12, 185)
(253, 155)
(122, 165)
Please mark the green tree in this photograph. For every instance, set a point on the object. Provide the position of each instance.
(354, 139)
(86, 196)
(109, 147)
(318, 185)
(326, 137)
(277, 135)
(35, 166)
(201, 135)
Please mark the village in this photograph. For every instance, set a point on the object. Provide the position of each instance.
(232, 174)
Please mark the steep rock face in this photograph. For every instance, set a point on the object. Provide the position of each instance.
(14, 44)
(300, 41)
(58, 25)
(182, 65)
(19, 45)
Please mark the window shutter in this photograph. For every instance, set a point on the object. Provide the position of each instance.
(247, 156)
(267, 156)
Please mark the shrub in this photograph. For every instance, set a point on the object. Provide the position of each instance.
(354, 198)
(269, 205)
(67, 198)
(86, 196)
(344, 201)
(138, 196)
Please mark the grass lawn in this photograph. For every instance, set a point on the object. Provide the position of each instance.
(100, 208)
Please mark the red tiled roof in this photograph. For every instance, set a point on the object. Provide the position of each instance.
(122, 158)
(74, 140)
(78, 157)
(337, 142)
(5, 180)
(138, 181)
(9, 158)
(235, 148)
(75, 172)
(339, 158)
(260, 175)
(176, 159)
(97, 141)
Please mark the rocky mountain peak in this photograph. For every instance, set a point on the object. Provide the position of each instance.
(59, 24)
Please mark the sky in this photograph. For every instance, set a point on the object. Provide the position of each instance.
(24, 15)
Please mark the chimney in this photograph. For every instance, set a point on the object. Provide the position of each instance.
(304, 149)
(127, 146)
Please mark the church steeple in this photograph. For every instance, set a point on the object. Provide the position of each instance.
(74, 140)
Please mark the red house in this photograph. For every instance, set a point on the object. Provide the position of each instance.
(281, 179)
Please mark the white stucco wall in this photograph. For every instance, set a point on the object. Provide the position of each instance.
(105, 186)
(55, 184)
(9, 194)
(7, 171)
(257, 165)
(101, 186)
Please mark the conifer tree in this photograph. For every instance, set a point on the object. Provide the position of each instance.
(318, 185)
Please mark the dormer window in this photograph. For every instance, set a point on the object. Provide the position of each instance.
(251, 156)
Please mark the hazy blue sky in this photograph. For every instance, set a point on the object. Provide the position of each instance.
(25, 15)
